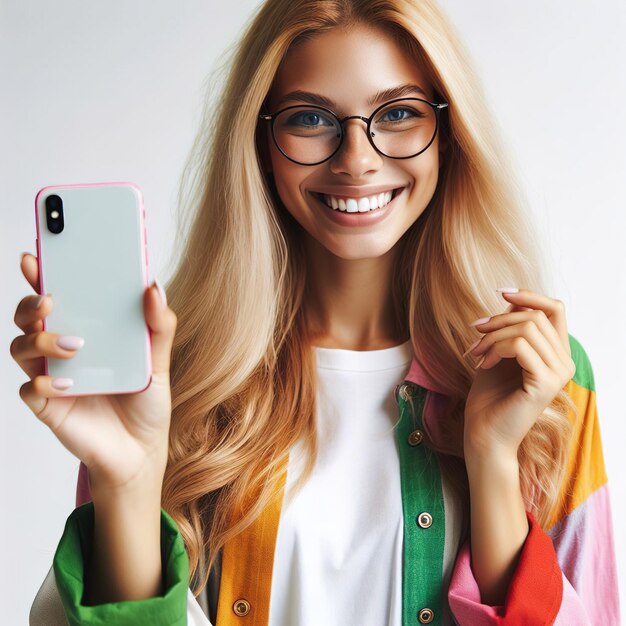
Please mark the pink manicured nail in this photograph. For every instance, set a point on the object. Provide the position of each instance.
(472, 347)
(68, 342)
(507, 289)
(62, 383)
(482, 320)
(161, 291)
(480, 362)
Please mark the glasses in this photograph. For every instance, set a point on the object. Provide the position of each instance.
(398, 129)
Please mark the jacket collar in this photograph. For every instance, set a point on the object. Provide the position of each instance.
(435, 403)
(418, 375)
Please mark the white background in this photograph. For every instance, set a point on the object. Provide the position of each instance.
(108, 91)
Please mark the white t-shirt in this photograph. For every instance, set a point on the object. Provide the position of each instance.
(338, 557)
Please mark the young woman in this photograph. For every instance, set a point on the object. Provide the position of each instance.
(331, 437)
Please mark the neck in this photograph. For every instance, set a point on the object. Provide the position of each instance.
(348, 303)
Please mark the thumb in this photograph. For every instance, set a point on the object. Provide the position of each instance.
(162, 323)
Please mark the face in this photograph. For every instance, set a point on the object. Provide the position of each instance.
(348, 68)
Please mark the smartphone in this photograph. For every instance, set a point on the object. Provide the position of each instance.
(93, 260)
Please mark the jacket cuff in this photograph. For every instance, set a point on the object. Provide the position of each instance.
(71, 558)
(534, 595)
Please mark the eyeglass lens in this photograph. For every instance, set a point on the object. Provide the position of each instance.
(308, 134)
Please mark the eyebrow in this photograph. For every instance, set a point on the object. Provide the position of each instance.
(381, 96)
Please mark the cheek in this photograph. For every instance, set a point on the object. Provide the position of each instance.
(425, 179)
(427, 175)
(287, 187)
(288, 178)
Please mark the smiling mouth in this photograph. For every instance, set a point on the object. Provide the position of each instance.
(358, 205)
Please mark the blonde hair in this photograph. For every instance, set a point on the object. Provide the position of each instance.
(243, 372)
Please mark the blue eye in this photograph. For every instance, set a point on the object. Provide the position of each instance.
(309, 119)
(395, 115)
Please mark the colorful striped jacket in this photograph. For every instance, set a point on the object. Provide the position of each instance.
(566, 576)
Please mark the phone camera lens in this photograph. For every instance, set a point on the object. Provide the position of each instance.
(54, 214)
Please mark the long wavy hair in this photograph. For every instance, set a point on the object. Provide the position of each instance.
(243, 372)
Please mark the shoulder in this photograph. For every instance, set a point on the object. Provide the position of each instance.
(584, 372)
(585, 470)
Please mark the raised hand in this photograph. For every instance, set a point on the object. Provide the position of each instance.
(526, 362)
(120, 438)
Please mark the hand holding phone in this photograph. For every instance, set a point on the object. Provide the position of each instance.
(121, 437)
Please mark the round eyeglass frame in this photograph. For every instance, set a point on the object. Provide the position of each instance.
(437, 107)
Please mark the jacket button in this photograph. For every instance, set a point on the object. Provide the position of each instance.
(241, 607)
(425, 520)
(403, 390)
(416, 437)
(425, 616)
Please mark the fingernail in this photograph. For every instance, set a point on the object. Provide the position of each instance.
(507, 289)
(482, 320)
(472, 347)
(479, 362)
(68, 342)
(62, 383)
(161, 291)
(36, 301)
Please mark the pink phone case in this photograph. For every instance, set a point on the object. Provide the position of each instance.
(93, 260)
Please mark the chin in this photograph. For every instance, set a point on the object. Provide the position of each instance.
(354, 251)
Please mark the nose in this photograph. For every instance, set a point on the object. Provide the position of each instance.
(356, 156)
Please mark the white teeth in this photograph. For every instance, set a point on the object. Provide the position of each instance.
(360, 205)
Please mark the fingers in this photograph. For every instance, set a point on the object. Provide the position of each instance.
(539, 381)
(30, 269)
(553, 309)
(28, 350)
(162, 323)
(548, 313)
(499, 342)
(533, 323)
(40, 397)
(534, 326)
(516, 348)
(31, 311)
(33, 399)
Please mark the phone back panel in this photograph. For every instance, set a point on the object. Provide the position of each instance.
(96, 272)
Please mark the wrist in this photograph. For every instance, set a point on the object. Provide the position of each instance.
(144, 486)
(501, 465)
(489, 453)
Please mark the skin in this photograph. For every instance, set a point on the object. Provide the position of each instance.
(350, 267)
(123, 439)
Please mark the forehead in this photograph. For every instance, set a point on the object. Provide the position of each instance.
(348, 66)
